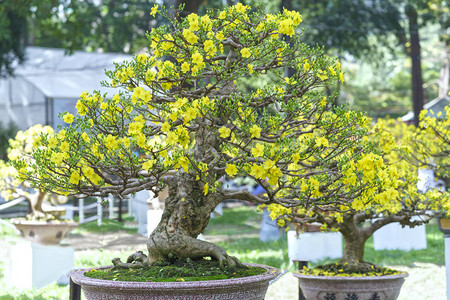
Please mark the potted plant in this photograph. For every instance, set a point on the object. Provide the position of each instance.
(393, 196)
(43, 225)
(186, 104)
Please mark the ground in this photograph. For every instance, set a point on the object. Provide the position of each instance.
(421, 277)
(426, 281)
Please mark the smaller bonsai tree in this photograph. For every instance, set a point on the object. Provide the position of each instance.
(11, 187)
(431, 144)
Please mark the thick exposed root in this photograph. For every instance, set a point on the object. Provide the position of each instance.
(134, 261)
(183, 246)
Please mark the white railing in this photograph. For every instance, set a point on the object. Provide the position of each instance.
(11, 203)
(81, 209)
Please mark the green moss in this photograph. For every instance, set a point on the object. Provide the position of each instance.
(350, 270)
(177, 271)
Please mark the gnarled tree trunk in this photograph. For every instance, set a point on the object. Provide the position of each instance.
(186, 215)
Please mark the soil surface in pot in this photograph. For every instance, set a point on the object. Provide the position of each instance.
(180, 270)
(344, 269)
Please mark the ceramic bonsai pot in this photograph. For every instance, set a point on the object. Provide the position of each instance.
(341, 288)
(44, 233)
(244, 288)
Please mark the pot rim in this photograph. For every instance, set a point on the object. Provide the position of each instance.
(44, 223)
(78, 277)
(342, 278)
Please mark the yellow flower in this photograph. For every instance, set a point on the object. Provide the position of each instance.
(205, 189)
(224, 132)
(172, 138)
(222, 15)
(190, 36)
(81, 108)
(197, 58)
(57, 158)
(52, 142)
(286, 27)
(258, 150)
(184, 163)
(148, 164)
(154, 10)
(241, 8)
(220, 36)
(165, 127)
(185, 67)
(231, 170)
(64, 147)
(75, 178)
(85, 137)
(209, 47)
(341, 77)
(245, 52)
(257, 171)
(322, 141)
(306, 66)
(142, 58)
(255, 131)
(331, 70)
(193, 22)
(250, 68)
(68, 118)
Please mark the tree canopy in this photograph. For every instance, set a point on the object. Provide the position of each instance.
(184, 123)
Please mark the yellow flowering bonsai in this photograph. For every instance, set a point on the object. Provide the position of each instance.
(11, 187)
(180, 119)
(433, 140)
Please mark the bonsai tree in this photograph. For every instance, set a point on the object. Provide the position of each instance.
(12, 188)
(181, 105)
(432, 140)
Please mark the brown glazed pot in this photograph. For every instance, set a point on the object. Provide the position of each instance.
(44, 233)
(342, 288)
(244, 288)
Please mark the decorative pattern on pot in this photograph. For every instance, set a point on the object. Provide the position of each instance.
(351, 288)
(244, 288)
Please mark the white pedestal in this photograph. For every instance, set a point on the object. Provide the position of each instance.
(31, 265)
(314, 246)
(447, 263)
(269, 229)
(394, 237)
(153, 218)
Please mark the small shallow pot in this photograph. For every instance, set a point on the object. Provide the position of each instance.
(44, 233)
(342, 288)
(244, 288)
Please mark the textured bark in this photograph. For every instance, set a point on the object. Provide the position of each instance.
(186, 215)
(416, 69)
(354, 248)
(187, 211)
(354, 239)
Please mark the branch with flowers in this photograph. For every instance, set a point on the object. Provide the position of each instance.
(11, 187)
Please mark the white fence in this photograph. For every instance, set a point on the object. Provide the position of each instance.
(81, 208)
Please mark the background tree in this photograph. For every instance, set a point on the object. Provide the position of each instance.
(107, 25)
(360, 27)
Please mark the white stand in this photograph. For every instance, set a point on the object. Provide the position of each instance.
(269, 228)
(31, 265)
(314, 246)
(153, 218)
(140, 203)
(447, 263)
(394, 237)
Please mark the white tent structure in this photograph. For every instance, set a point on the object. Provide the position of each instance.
(437, 105)
(50, 82)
